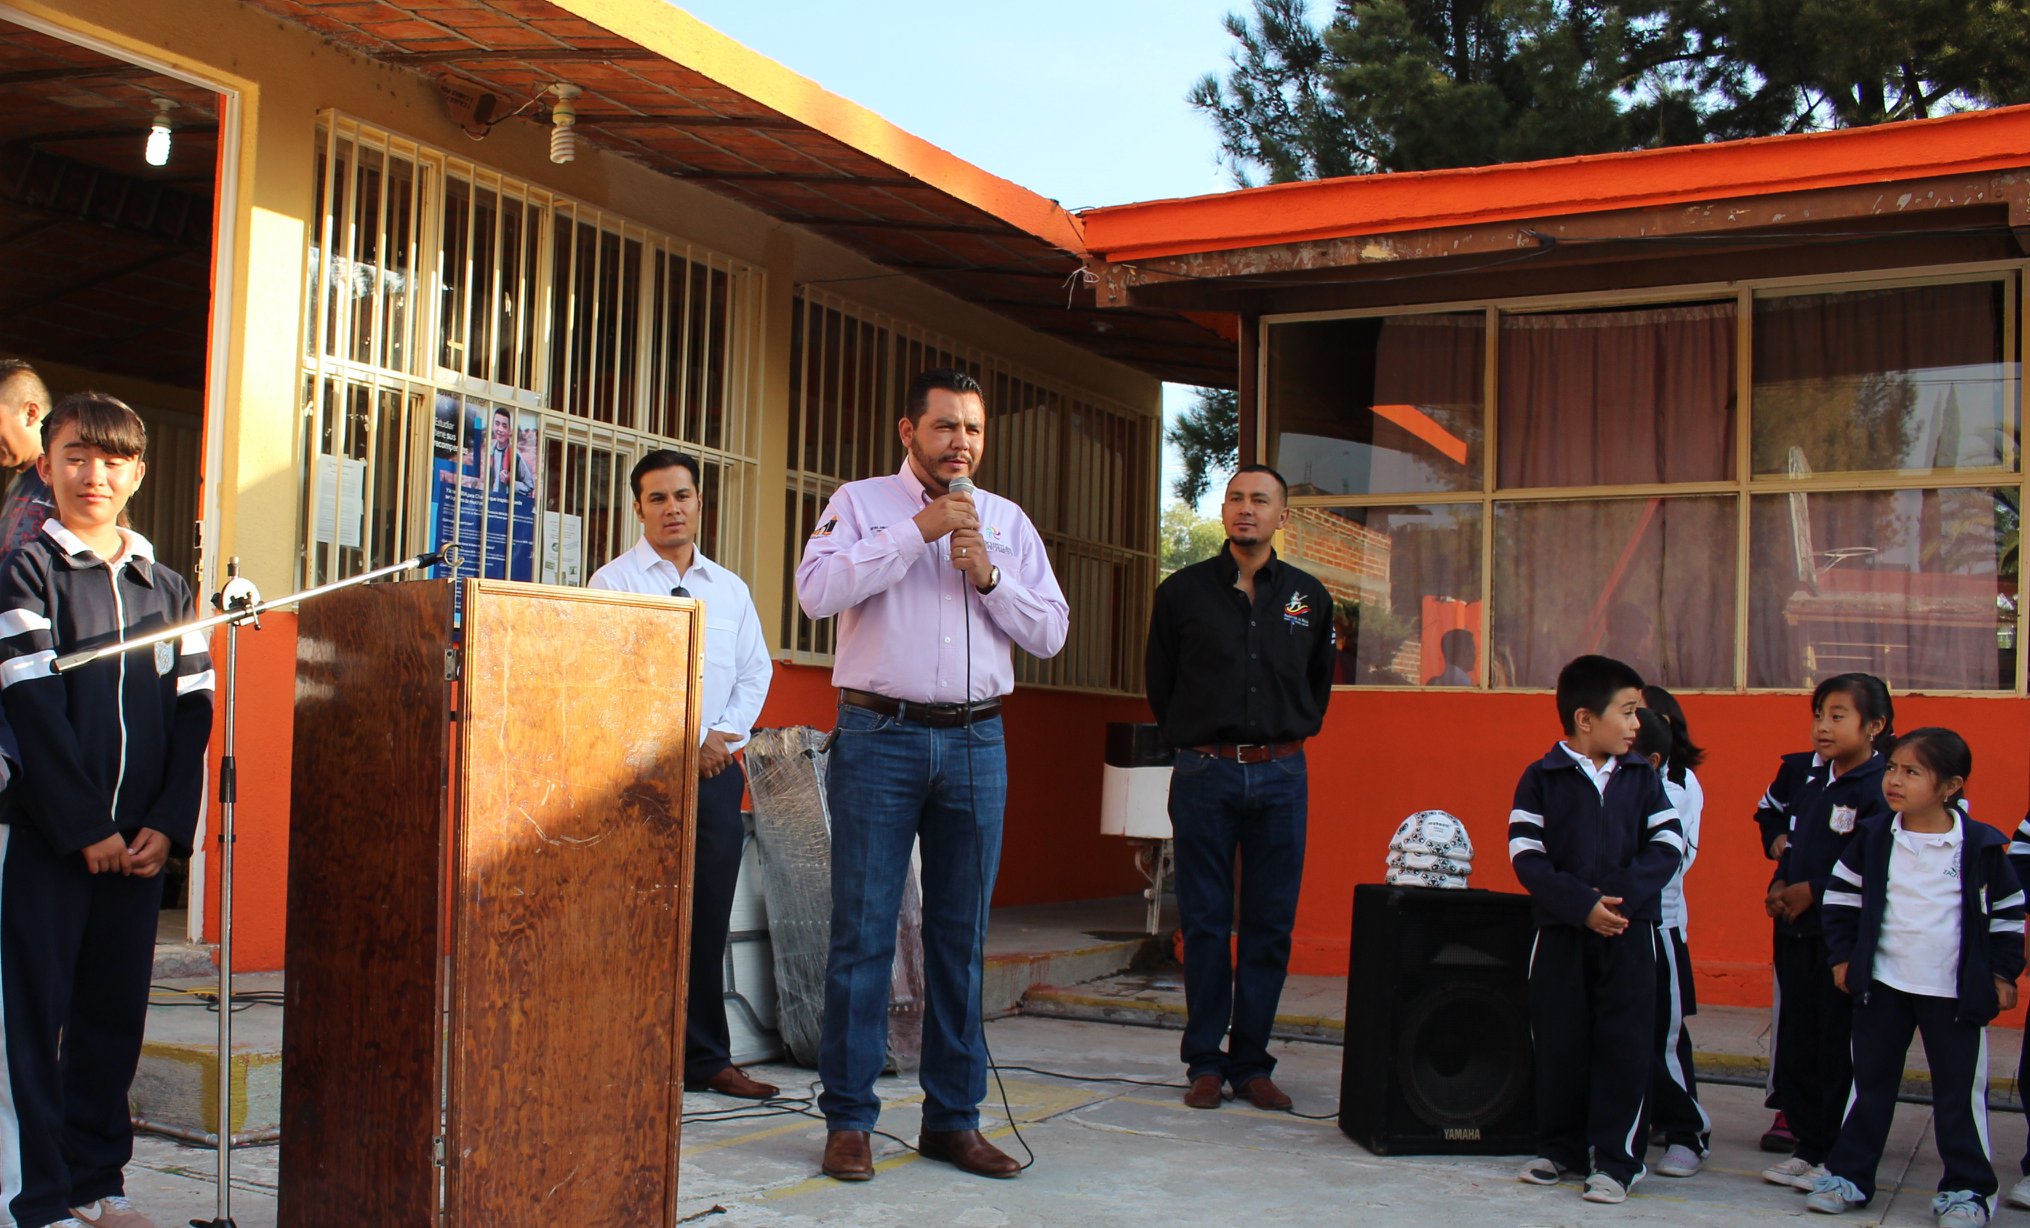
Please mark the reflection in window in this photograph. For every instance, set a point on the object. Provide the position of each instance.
(1405, 585)
(1912, 378)
(1648, 581)
(1380, 405)
(1617, 397)
(1917, 586)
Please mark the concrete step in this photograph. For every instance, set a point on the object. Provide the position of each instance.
(175, 1089)
(185, 960)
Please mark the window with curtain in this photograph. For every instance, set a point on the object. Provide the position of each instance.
(1874, 524)
(1383, 405)
(1617, 397)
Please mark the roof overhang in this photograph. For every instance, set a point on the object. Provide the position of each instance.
(666, 90)
(1939, 191)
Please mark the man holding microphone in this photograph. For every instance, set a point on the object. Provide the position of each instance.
(934, 582)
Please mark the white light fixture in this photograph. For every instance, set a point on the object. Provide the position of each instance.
(564, 124)
(157, 150)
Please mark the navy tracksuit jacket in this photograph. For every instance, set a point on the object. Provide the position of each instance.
(109, 748)
(1593, 998)
(1954, 1029)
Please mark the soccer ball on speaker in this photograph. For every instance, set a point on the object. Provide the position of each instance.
(1434, 833)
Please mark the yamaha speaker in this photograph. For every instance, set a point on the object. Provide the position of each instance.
(1437, 1023)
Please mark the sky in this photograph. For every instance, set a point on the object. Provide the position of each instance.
(1078, 100)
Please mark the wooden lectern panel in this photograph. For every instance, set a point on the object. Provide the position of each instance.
(571, 908)
(361, 1079)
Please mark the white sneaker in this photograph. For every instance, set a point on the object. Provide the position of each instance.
(1834, 1196)
(113, 1212)
(1541, 1171)
(1679, 1161)
(2019, 1194)
(1960, 1209)
(1602, 1188)
(1795, 1173)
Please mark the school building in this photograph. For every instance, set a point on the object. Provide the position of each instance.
(439, 270)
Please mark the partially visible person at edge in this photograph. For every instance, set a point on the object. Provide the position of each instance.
(27, 504)
(1240, 667)
(666, 561)
(934, 585)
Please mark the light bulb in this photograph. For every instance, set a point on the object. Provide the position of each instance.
(563, 124)
(157, 150)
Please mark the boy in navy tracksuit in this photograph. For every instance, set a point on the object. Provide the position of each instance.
(114, 764)
(1593, 839)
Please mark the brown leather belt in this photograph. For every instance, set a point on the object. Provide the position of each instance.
(937, 716)
(1251, 752)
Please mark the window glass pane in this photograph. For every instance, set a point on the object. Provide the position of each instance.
(1617, 397)
(1916, 586)
(1649, 581)
(1905, 379)
(1387, 405)
(1402, 580)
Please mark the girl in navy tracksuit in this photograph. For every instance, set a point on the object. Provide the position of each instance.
(1924, 928)
(112, 772)
(1808, 816)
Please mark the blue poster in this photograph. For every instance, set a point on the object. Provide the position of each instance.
(483, 488)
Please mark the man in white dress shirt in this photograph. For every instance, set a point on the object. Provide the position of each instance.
(667, 562)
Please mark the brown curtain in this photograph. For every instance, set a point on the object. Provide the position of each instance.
(1617, 397)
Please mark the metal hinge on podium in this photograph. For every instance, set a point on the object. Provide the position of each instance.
(437, 1151)
(450, 665)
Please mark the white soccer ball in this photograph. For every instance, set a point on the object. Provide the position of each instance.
(1436, 833)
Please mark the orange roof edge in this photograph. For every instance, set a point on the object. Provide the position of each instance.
(1968, 143)
(681, 38)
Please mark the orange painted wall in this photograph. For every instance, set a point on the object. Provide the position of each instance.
(1051, 847)
(1382, 757)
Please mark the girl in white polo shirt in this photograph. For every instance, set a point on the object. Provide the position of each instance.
(1924, 927)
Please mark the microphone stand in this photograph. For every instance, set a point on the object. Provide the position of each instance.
(239, 601)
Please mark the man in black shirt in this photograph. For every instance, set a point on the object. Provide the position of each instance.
(1239, 671)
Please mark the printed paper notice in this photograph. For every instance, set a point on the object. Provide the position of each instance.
(563, 549)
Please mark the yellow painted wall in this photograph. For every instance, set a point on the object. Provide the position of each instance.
(285, 76)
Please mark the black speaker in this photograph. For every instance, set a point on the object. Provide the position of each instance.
(1438, 1055)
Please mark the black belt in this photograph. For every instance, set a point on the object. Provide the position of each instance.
(938, 716)
(1251, 752)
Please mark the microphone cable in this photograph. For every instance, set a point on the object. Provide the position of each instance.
(980, 848)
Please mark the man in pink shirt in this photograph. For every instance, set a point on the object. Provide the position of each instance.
(934, 584)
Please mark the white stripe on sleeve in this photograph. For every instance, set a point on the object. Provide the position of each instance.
(15, 622)
(1662, 817)
(1523, 844)
(2012, 901)
(192, 644)
(1842, 899)
(1841, 872)
(2003, 925)
(1524, 816)
(24, 669)
(1671, 838)
(195, 682)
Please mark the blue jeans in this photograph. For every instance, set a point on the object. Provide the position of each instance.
(891, 783)
(1219, 808)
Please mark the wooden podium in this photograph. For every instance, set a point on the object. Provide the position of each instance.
(489, 906)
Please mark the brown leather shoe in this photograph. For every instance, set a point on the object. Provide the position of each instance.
(847, 1156)
(967, 1150)
(733, 1081)
(1263, 1093)
(1208, 1091)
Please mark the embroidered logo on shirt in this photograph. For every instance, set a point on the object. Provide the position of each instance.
(1843, 819)
(165, 658)
(1295, 610)
(825, 529)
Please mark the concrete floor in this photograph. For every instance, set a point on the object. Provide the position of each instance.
(1125, 1156)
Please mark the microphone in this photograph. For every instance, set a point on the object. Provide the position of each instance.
(961, 485)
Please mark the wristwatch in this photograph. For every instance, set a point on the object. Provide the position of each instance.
(993, 582)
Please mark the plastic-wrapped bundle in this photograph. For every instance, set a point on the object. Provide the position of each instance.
(792, 826)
